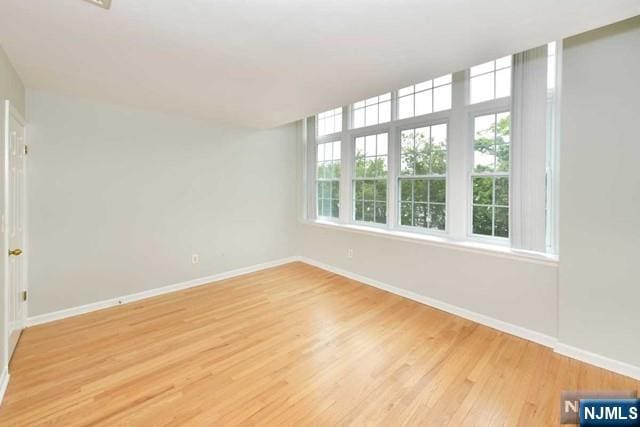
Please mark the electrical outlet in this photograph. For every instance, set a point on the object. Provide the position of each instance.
(349, 253)
(195, 258)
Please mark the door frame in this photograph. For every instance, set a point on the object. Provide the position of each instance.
(11, 112)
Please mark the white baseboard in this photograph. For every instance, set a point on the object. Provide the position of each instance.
(4, 383)
(519, 331)
(87, 308)
(598, 360)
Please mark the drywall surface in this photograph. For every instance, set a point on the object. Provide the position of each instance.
(120, 199)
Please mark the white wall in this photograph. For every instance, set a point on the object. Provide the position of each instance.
(11, 88)
(520, 292)
(120, 198)
(600, 192)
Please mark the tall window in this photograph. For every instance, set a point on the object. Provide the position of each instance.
(490, 177)
(372, 111)
(328, 179)
(330, 122)
(422, 178)
(490, 80)
(424, 98)
(370, 178)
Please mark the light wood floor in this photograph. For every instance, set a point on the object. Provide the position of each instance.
(289, 345)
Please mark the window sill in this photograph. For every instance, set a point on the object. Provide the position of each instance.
(442, 241)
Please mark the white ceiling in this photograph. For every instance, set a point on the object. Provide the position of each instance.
(263, 63)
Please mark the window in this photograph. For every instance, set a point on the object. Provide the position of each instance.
(491, 80)
(330, 122)
(424, 98)
(328, 179)
(422, 180)
(370, 178)
(490, 177)
(372, 111)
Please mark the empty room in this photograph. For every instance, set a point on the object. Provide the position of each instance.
(383, 212)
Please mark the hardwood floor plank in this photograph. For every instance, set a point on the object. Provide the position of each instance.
(288, 345)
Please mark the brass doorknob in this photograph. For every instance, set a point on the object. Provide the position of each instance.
(15, 252)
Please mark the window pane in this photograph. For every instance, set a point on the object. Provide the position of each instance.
(424, 102)
(372, 111)
(482, 68)
(503, 62)
(406, 190)
(371, 115)
(329, 122)
(381, 190)
(421, 190)
(406, 212)
(502, 191)
(503, 83)
(482, 88)
(358, 118)
(368, 211)
(483, 190)
(502, 222)
(335, 208)
(442, 98)
(359, 210)
(437, 191)
(437, 216)
(442, 80)
(420, 215)
(482, 219)
(381, 213)
(502, 158)
(384, 112)
(405, 107)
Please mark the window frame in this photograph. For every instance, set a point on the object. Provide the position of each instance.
(353, 178)
(330, 180)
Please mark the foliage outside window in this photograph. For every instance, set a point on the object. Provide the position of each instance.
(422, 178)
(328, 179)
(490, 177)
(370, 178)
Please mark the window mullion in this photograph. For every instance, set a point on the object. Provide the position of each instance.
(346, 171)
(458, 164)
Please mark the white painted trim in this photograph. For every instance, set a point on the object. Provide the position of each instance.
(87, 308)
(519, 331)
(4, 383)
(612, 365)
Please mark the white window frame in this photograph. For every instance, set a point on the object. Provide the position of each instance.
(459, 172)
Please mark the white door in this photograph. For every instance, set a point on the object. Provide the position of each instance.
(15, 223)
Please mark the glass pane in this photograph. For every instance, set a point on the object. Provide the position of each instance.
(482, 88)
(406, 190)
(337, 123)
(442, 98)
(424, 86)
(502, 158)
(420, 214)
(405, 213)
(381, 144)
(320, 171)
(381, 190)
(320, 152)
(482, 68)
(482, 220)
(368, 190)
(405, 91)
(503, 62)
(358, 192)
(437, 191)
(502, 191)
(483, 158)
(482, 191)
(336, 150)
(361, 166)
(371, 116)
(358, 118)
(439, 136)
(381, 213)
(360, 146)
(371, 101)
(502, 222)
(442, 80)
(420, 190)
(424, 102)
(503, 128)
(422, 151)
(437, 216)
(335, 189)
(368, 211)
(438, 162)
(358, 211)
(319, 189)
(335, 208)
(384, 114)
(326, 207)
(405, 107)
(370, 146)
(503, 83)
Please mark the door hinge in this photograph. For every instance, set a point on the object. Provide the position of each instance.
(24, 295)
(26, 149)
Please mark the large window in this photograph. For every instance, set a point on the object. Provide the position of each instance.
(490, 177)
(372, 111)
(490, 80)
(422, 178)
(424, 98)
(454, 156)
(328, 179)
(370, 178)
(330, 122)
